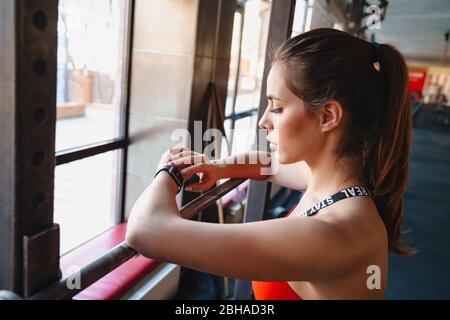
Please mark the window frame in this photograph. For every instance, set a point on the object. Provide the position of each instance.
(121, 144)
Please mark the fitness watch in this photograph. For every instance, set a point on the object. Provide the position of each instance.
(174, 173)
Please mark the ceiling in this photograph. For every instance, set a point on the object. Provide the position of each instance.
(417, 28)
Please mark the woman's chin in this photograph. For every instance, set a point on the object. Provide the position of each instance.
(283, 161)
(281, 157)
(284, 158)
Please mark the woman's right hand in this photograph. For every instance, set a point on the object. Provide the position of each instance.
(189, 162)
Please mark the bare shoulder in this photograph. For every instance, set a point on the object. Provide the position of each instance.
(357, 240)
(359, 219)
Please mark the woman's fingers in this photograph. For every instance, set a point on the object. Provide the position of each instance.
(183, 154)
(189, 162)
(176, 150)
(173, 152)
(183, 162)
(168, 154)
(205, 182)
(189, 171)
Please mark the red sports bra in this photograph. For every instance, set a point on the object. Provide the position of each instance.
(274, 290)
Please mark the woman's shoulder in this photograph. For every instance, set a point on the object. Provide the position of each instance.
(356, 219)
(359, 219)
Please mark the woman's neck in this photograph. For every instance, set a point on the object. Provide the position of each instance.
(329, 175)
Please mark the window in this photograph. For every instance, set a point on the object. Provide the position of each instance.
(302, 17)
(85, 198)
(248, 51)
(91, 137)
(90, 71)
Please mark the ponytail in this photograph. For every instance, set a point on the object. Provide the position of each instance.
(388, 171)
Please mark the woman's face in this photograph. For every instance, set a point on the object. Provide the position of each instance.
(293, 134)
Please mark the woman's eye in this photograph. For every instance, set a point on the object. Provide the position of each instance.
(276, 110)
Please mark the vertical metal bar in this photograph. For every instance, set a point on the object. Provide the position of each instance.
(280, 29)
(7, 144)
(30, 34)
(241, 10)
(126, 112)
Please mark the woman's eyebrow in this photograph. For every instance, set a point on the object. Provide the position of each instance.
(272, 97)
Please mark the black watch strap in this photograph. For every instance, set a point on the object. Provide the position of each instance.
(174, 173)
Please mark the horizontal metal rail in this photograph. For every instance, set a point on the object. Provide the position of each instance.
(79, 153)
(118, 255)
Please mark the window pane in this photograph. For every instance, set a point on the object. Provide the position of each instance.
(302, 16)
(224, 151)
(252, 57)
(243, 135)
(299, 24)
(86, 194)
(251, 66)
(91, 52)
(234, 59)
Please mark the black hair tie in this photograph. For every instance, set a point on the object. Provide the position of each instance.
(377, 52)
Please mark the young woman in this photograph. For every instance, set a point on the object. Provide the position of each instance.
(340, 120)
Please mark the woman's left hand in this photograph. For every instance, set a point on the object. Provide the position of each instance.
(167, 156)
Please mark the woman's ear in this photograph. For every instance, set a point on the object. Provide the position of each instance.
(330, 115)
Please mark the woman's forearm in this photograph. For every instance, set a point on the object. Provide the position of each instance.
(158, 196)
(250, 165)
(151, 216)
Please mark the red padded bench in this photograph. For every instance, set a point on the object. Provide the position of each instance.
(117, 282)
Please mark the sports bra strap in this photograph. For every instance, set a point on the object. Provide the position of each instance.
(338, 196)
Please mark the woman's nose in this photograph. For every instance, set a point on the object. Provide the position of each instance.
(264, 122)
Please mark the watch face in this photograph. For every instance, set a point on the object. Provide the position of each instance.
(177, 175)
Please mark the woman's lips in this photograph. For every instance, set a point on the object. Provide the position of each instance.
(271, 144)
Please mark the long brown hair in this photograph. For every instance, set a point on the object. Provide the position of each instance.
(325, 64)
